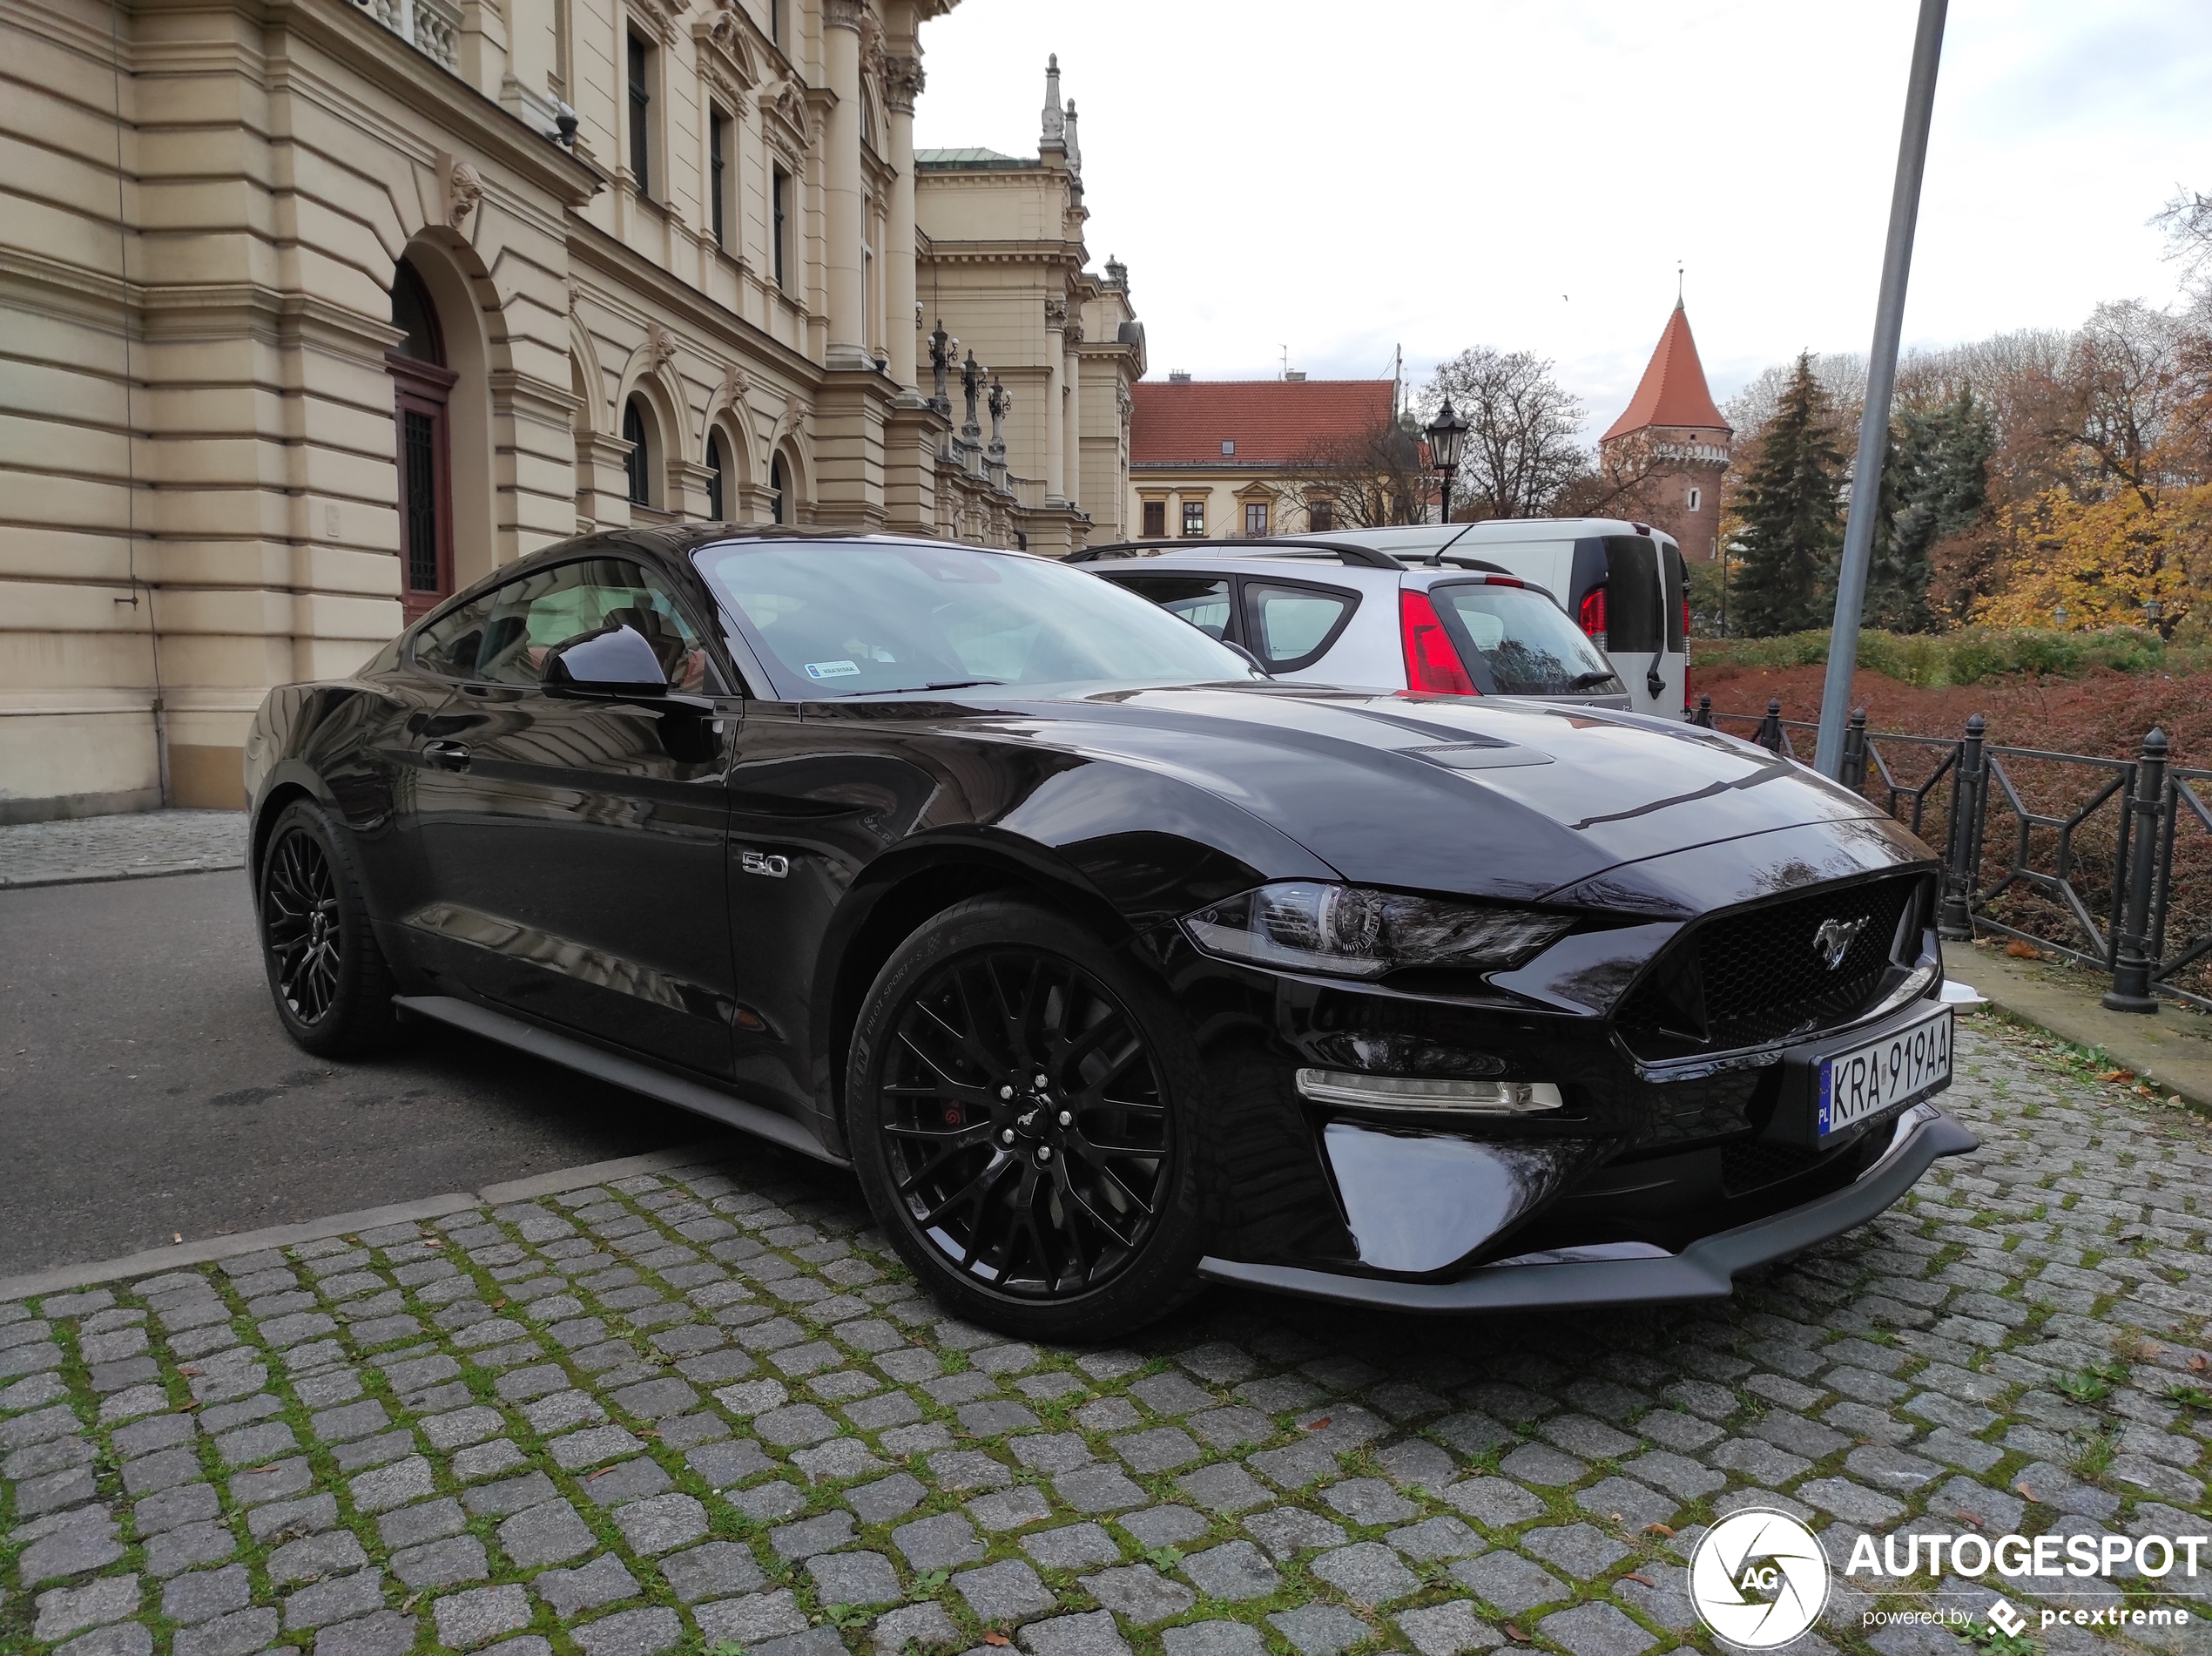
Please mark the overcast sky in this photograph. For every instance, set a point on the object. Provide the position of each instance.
(1339, 179)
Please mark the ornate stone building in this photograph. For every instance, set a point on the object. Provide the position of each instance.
(1671, 425)
(314, 311)
(1003, 273)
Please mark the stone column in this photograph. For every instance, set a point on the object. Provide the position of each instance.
(844, 192)
(902, 84)
(1071, 412)
(1056, 424)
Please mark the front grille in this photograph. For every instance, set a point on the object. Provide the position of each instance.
(1755, 974)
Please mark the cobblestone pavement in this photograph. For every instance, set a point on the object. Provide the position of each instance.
(708, 1411)
(120, 848)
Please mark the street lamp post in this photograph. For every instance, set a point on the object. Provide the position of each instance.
(1447, 435)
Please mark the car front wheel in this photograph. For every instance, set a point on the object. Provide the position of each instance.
(1019, 1110)
(330, 982)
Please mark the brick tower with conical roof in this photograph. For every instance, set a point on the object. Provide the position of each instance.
(1672, 419)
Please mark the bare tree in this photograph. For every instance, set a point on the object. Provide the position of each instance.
(1363, 482)
(2186, 221)
(1627, 478)
(1520, 449)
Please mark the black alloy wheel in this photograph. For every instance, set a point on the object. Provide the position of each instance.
(300, 925)
(329, 980)
(1024, 1132)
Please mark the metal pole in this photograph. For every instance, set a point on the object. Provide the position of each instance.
(2132, 964)
(1881, 381)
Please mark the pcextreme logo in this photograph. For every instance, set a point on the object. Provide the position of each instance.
(1758, 1579)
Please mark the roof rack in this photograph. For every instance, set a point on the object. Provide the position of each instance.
(1360, 557)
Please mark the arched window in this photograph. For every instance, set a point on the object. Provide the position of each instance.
(421, 384)
(639, 465)
(778, 491)
(717, 478)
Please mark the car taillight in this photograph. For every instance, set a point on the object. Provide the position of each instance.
(1431, 663)
(1593, 615)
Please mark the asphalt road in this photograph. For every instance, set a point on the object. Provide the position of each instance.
(146, 1091)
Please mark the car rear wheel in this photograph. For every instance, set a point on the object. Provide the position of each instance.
(329, 979)
(1019, 1113)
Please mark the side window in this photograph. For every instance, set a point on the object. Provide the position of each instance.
(1287, 627)
(530, 618)
(1199, 599)
(448, 645)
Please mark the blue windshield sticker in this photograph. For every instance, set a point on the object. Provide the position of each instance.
(832, 670)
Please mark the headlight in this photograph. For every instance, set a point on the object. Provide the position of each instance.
(1351, 931)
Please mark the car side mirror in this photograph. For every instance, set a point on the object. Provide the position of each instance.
(614, 661)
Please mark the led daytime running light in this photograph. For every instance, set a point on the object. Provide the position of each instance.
(1420, 1095)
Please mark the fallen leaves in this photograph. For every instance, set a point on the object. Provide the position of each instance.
(996, 1638)
(2021, 950)
(2197, 1364)
(1657, 1529)
(1517, 1635)
(1646, 1580)
(2022, 1487)
(1973, 1518)
(1316, 1425)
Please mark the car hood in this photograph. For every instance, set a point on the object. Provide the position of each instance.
(1495, 795)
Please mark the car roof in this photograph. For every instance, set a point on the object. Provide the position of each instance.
(1309, 548)
(1418, 540)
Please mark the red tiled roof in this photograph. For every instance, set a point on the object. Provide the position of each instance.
(1268, 420)
(1672, 391)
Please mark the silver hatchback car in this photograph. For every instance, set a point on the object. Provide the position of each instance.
(1340, 614)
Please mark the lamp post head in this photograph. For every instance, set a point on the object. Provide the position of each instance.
(1446, 435)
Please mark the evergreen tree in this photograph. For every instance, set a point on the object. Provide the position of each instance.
(1791, 520)
(1934, 485)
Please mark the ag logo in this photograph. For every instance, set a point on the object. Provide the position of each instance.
(1758, 1579)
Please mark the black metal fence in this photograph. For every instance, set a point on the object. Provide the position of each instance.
(2106, 862)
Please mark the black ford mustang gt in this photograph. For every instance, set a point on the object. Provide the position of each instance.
(1107, 963)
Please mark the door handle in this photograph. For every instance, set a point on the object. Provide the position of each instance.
(447, 755)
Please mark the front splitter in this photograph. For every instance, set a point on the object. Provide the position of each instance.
(1705, 1270)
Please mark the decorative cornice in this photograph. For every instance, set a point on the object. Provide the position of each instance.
(660, 15)
(843, 14)
(724, 43)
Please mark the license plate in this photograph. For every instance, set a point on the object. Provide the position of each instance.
(1895, 1068)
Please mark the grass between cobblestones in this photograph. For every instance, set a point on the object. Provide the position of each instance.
(708, 1412)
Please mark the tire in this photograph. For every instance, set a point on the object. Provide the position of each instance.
(1067, 1212)
(331, 983)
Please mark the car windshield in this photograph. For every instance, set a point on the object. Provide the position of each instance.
(1530, 646)
(857, 618)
